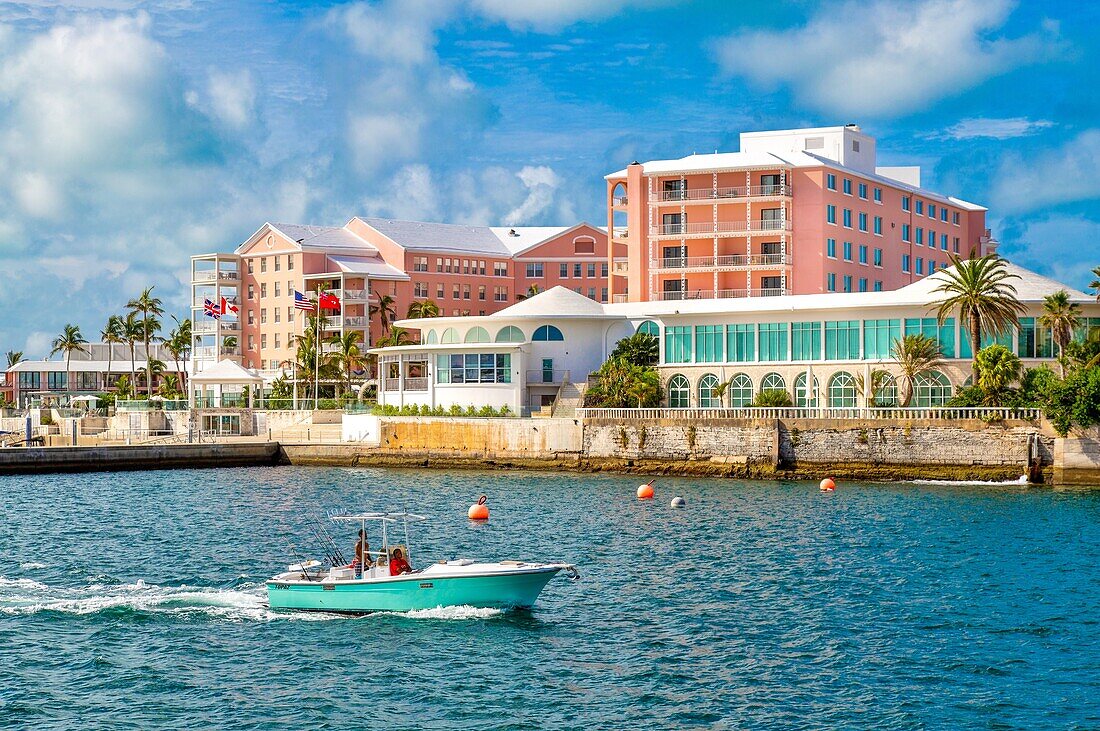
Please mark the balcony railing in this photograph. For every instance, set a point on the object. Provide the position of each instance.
(332, 322)
(420, 383)
(711, 262)
(359, 321)
(619, 232)
(707, 294)
(211, 276)
(616, 298)
(620, 266)
(986, 413)
(356, 295)
(721, 227)
(710, 194)
(619, 200)
(547, 375)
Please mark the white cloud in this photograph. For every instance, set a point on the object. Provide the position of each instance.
(395, 32)
(1062, 247)
(232, 97)
(997, 129)
(542, 185)
(884, 58)
(548, 15)
(1051, 177)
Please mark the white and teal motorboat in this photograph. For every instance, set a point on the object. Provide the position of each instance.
(333, 586)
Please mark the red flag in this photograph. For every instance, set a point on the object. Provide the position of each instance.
(229, 307)
(329, 301)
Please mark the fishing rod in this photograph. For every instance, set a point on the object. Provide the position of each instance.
(336, 552)
(324, 546)
(301, 563)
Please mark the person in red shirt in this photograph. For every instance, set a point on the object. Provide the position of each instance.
(398, 564)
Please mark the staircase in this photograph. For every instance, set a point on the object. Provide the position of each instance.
(570, 398)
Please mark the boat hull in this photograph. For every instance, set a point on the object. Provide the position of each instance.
(411, 592)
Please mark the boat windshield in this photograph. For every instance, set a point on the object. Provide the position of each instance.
(385, 519)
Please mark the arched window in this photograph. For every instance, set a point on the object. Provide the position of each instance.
(707, 399)
(842, 391)
(619, 194)
(430, 338)
(449, 336)
(650, 328)
(679, 392)
(933, 389)
(547, 333)
(740, 390)
(477, 335)
(510, 334)
(887, 394)
(773, 382)
(801, 398)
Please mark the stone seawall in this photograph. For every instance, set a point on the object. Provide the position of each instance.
(1077, 459)
(137, 457)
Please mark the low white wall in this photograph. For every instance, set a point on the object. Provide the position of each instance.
(365, 428)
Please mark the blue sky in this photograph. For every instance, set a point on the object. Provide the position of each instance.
(133, 134)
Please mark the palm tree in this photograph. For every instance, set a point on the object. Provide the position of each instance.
(870, 387)
(348, 355)
(977, 291)
(150, 309)
(111, 334)
(178, 343)
(15, 357)
(916, 355)
(229, 341)
(426, 308)
(1095, 284)
(385, 311)
(132, 331)
(156, 368)
(531, 292)
(1062, 316)
(398, 336)
(69, 340)
(169, 386)
(719, 392)
(1000, 368)
(305, 356)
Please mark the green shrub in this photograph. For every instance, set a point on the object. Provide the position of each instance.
(486, 411)
(327, 404)
(471, 410)
(455, 410)
(505, 411)
(439, 411)
(774, 398)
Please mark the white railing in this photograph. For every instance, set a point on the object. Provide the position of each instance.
(706, 294)
(358, 321)
(538, 375)
(985, 413)
(210, 276)
(618, 232)
(721, 227)
(708, 194)
(620, 266)
(619, 200)
(210, 351)
(419, 383)
(356, 295)
(620, 298)
(730, 260)
(208, 326)
(331, 322)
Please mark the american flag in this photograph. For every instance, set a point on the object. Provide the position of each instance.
(211, 310)
(301, 302)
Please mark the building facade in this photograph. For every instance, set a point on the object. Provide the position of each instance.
(465, 270)
(90, 371)
(793, 212)
(816, 347)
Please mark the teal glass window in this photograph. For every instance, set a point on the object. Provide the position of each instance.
(879, 337)
(547, 333)
(842, 391)
(679, 392)
(740, 391)
(842, 340)
(706, 397)
(740, 342)
(806, 341)
(709, 342)
(650, 328)
(678, 344)
(930, 328)
(773, 341)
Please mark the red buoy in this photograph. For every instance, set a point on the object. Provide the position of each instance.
(479, 510)
(827, 485)
(645, 492)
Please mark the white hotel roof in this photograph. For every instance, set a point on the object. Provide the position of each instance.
(560, 303)
(765, 160)
(373, 267)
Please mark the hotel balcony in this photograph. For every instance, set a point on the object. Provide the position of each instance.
(548, 376)
(709, 195)
(618, 298)
(619, 232)
(704, 229)
(210, 351)
(356, 295)
(210, 276)
(733, 261)
(621, 267)
(619, 201)
(332, 323)
(356, 322)
(708, 294)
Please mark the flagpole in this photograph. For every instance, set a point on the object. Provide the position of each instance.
(317, 351)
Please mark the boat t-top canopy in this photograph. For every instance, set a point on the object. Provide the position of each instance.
(383, 517)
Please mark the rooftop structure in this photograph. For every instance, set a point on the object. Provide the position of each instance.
(793, 212)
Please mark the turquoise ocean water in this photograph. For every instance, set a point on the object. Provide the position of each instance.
(134, 601)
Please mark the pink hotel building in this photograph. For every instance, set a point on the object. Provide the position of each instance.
(465, 270)
(794, 212)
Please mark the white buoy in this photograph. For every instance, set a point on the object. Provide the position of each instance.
(679, 502)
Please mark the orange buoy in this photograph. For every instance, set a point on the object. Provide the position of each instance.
(479, 510)
(827, 485)
(645, 492)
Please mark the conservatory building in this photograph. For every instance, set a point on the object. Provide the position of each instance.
(816, 347)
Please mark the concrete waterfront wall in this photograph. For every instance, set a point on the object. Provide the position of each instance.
(961, 449)
(138, 457)
(482, 437)
(1077, 459)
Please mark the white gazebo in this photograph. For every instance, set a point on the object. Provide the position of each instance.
(211, 387)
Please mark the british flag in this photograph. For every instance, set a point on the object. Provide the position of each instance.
(211, 310)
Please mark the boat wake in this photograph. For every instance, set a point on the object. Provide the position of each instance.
(1021, 480)
(244, 604)
(20, 597)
